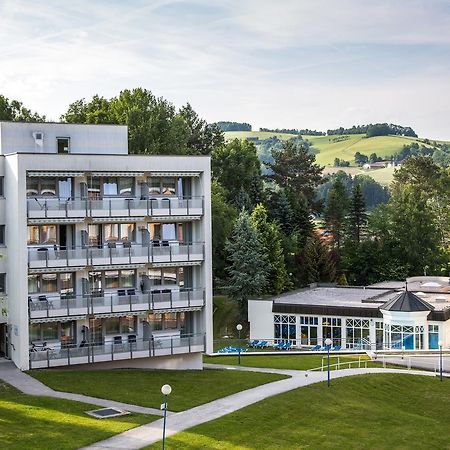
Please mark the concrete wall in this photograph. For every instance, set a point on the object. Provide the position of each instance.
(17, 137)
(191, 361)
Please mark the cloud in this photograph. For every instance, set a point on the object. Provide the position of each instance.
(293, 63)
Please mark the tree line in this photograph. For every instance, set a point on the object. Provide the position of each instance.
(377, 129)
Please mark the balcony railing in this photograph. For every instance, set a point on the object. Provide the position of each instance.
(127, 301)
(52, 257)
(39, 208)
(89, 353)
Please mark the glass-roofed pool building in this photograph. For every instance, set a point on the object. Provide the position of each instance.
(411, 315)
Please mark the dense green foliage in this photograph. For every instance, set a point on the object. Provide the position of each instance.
(247, 271)
(154, 124)
(233, 126)
(377, 129)
(13, 110)
(304, 131)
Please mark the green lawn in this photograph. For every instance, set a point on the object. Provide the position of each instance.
(292, 362)
(28, 422)
(143, 387)
(382, 411)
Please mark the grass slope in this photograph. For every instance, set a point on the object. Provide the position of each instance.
(382, 411)
(28, 422)
(345, 147)
(143, 387)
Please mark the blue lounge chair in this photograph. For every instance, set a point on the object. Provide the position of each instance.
(336, 348)
(316, 348)
(262, 344)
(253, 343)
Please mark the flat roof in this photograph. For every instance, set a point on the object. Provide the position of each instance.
(337, 297)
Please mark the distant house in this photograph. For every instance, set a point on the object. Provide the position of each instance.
(379, 165)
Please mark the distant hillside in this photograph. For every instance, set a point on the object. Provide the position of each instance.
(344, 147)
(338, 146)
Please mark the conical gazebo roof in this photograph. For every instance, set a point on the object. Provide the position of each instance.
(407, 302)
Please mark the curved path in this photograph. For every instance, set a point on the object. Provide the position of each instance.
(144, 435)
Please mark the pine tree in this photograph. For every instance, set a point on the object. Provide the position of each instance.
(317, 264)
(336, 211)
(270, 240)
(357, 216)
(247, 270)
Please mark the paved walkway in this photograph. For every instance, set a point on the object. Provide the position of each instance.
(148, 434)
(29, 385)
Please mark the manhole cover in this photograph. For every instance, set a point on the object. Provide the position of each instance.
(106, 413)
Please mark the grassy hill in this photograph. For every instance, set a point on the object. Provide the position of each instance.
(344, 147)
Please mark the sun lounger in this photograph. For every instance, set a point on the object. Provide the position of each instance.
(316, 348)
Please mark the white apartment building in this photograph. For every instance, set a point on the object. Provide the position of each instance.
(105, 256)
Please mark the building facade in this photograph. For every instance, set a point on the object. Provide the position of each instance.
(106, 257)
(388, 316)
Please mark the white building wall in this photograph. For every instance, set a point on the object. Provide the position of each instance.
(260, 317)
(17, 137)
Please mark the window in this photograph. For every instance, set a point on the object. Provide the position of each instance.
(44, 331)
(93, 189)
(308, 330)
(42, 234)
(2, 283)
(433, 337)
(162, 186)
(2, 186)
(166, 276)
(166, 231)
(49, 187)
(285, 328)
(331, 328)
(52, 331)
(117, 186)
(168, 321)
(2, 235)
(112, 279)
(51, 282)
(63, 145)
(121, 325)
(119, 232)
(357, 332)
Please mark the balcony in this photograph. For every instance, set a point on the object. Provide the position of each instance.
(90, 353)
(47, 306)
(172, 252)
(55, 208)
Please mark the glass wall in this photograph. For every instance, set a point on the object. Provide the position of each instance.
(357, 333)
(331, 329)
(285, 328)
(308, 330)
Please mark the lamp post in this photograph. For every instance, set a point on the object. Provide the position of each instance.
(440, 359)
(328, 343)
(165, 390)
(239, 328)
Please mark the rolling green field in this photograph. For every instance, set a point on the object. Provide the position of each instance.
(343, 147)
(378, 411)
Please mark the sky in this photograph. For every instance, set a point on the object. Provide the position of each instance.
(272, 63)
